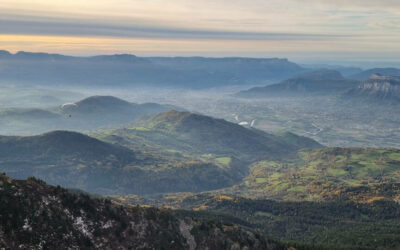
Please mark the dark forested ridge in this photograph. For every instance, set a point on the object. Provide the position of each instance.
(35, 215)
(334, 225)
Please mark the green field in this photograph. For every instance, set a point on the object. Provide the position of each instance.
(224, 160)
(322, 174)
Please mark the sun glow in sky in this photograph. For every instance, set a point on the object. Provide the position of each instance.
(358, 30)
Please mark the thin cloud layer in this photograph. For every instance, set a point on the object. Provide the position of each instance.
(306, 26)
(79, 27)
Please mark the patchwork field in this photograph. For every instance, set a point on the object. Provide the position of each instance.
(322, 174)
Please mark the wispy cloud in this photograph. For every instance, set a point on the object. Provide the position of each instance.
(80, 27)
(260, 27)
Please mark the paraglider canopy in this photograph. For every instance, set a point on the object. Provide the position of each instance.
(68, 105)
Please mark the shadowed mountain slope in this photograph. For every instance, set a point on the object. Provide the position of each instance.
(309, 83)
(75, 160)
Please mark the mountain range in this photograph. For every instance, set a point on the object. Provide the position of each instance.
(231, 173)
(126, 70)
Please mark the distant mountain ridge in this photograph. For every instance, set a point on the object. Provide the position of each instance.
(125, 70)
(378, 87)
(366, 74)
(344, 70)
(322, 81)
(321, 74)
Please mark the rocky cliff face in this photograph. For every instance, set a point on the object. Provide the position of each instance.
(380, 87)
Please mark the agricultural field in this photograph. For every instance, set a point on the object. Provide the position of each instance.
(322, 174)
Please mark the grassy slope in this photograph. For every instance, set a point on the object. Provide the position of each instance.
(201, 135)
(326, 174)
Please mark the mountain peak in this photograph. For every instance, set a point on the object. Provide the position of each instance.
(379, 87)
(126, 58)
(185, 120)
(321, 74)
(5, 53)
(367, 74)
(95, 105)
(172, 119)
(172, 115)
(384, 78)
(65, 135)
(38, 55)
(60, 144)
(206, 134)
(102, 100)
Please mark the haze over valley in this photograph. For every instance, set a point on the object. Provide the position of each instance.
(208, 125)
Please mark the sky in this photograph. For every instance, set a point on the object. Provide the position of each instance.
(320, 31)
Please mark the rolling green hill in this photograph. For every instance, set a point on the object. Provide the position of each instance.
(54, 146)
(222, 149)
(203, 135)
(75, 160)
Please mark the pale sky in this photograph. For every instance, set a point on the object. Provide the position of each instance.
(305, 30)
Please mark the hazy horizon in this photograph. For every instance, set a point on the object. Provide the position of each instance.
(360, 33)
(313, 63)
